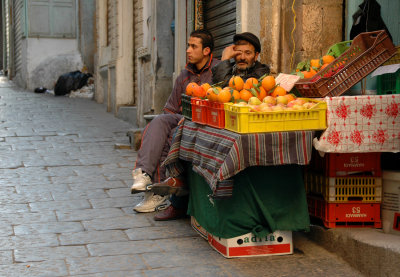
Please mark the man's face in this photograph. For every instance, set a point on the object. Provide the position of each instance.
(246, 57)
(195, 52)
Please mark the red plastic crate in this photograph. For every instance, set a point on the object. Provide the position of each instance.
(347, 164)
(199, 110)
(350, 214)
(216, 114)
(367, 52)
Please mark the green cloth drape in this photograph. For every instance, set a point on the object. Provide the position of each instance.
(265, 199)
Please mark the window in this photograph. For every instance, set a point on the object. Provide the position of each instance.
(51, 18)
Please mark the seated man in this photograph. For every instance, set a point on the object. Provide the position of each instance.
(157, 135)
(238, 59)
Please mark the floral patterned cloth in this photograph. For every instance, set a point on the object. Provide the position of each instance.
(365, 123)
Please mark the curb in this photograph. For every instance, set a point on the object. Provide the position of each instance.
(368, 250)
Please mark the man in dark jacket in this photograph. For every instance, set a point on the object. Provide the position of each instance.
(157, 136)
(240, 59)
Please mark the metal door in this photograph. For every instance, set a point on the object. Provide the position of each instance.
(220, 20)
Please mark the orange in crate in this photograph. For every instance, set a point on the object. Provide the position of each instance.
(350, 214)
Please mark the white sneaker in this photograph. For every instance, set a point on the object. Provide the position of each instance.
(151, 203)
(140, 181)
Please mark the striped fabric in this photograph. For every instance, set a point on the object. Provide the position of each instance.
(218, 154)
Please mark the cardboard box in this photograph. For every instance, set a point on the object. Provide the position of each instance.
(248, 245)
(391, 202)
(197, 227)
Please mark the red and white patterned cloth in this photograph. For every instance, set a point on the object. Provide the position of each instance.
(364, 123)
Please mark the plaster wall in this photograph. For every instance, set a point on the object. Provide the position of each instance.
(138, 42)
(248, 17)
(317, 26)
(144, 51)
(124, 59)
(163, 54)
(322, 25)
(46, 59)
(154, 43)
(100, 62)
(114, 58)
(1, 37)
(86, 32)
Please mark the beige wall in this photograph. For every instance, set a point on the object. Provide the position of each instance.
(318, 26)
(125, 50)
(154, 55)
(144, 79)
(114, 56)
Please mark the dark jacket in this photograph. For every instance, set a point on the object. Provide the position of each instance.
(368, 19)
(188, 75)
(225, 70)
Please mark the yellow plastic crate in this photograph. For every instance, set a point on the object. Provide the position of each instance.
(344, 189)
(241, 120)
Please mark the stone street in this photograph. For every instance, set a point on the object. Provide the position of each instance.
(66, 207)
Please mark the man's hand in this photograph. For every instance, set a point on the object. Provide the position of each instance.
(229, 53)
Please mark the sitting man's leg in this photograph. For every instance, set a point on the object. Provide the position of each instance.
(176, 210)
(171, 185)
(179, 191)
(154, 140)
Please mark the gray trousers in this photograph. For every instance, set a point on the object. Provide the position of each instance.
(156, 142)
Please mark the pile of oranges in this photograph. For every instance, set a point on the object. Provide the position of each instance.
(238, 90)
(309, 68)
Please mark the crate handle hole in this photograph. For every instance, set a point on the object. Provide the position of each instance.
(355, 198)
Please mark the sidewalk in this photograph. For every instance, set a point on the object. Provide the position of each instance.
(371, 251)
(66, 207)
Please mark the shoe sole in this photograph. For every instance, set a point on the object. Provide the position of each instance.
(134, 191)
(169, 218)
(166, 190)
(156, 209)
(144, 211)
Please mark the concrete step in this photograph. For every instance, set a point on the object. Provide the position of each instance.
(128, 113)
(135, 137)
(369, 250)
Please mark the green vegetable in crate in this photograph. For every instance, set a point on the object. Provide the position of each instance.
(307, 69)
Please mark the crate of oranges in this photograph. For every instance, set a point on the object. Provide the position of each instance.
(366, 53)
(261, 105)
(193, 102)
(255, 105)
(208, 105)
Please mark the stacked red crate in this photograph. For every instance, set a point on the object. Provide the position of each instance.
(345, 189)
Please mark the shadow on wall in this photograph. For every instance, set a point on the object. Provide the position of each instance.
(47, 72)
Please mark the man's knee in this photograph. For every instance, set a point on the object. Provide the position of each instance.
(165, 121)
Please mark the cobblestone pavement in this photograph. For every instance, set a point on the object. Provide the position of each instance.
(66, 207)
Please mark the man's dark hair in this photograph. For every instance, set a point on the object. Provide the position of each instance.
(206, 37)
